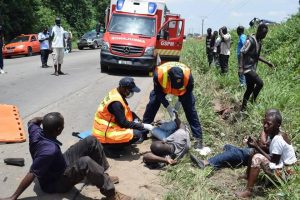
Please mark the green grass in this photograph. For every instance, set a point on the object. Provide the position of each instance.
(281, 90)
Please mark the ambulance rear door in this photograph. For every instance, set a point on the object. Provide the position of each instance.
(170, 40)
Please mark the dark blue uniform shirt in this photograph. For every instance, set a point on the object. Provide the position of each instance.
(48, 161)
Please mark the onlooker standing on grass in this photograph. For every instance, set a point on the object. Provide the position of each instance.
(209, 46)
(224, 49)
(250, 55)
(58, 45)
(216, 50)
(1, 45)
(241, 42)
(43, 38)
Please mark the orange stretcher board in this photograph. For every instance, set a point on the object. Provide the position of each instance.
(11, 125)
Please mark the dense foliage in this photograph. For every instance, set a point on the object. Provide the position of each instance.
(31, 16)
(281, 90)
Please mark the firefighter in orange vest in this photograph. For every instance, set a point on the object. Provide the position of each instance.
(174, 78)
(114, 122)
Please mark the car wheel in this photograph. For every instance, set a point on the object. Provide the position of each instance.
(80, 48)
(104, 68)
(7, 57)
(29, 51)
(94, 46)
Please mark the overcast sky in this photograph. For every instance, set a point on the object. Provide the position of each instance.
(230, 13)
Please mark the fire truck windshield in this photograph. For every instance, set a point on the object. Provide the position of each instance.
(132, 24)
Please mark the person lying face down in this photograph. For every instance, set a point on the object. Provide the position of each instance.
(174, 143)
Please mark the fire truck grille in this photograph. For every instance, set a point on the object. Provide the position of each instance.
(126, 50)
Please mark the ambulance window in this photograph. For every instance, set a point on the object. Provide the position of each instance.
(179, 28)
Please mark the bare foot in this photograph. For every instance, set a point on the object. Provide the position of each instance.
(244, 194)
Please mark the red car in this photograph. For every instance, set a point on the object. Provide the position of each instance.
(22, 45)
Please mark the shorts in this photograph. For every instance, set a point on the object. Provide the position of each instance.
(58, 55)
(260, 161)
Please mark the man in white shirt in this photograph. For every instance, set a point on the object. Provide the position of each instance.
(58, 45)
(43, 38)
(282, 154)
(225, 49)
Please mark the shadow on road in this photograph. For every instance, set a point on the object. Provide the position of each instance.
(123, 72)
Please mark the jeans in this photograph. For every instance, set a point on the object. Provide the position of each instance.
(188, 104)
(231, 157)
(224, 63)
(240, 74)
(85, 160)
(254, 85)
(216, 59)
(44, 56)
(164, 130)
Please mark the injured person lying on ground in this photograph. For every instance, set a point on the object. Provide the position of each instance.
(172, 144)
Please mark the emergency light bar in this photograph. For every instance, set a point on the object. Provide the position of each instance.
(135, 6)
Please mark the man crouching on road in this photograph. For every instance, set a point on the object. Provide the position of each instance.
(114, 122)
(57, 172)
(172, 146)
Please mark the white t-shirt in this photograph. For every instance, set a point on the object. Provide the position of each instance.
(225, 45)
(45, 43)
(58, 40)
(280, 147)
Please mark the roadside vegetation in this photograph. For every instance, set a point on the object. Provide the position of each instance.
(31, 16)
(281, 91)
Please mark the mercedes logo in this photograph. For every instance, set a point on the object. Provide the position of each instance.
(126, 50)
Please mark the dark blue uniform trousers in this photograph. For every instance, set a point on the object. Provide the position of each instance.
(188, 103)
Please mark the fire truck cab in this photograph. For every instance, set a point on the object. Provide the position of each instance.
(139, 34)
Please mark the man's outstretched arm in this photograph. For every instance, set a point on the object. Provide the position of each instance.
(27, 180)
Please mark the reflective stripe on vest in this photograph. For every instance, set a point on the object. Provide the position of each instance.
(105, 128)
(162, 72)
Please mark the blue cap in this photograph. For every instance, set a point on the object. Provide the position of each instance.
(176, 77)
(128, 82)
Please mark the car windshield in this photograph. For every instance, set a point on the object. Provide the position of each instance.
(90, 34)
(132, 24)
(20, 39)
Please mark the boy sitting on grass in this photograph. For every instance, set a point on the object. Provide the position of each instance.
(277, 162)
(172, 146)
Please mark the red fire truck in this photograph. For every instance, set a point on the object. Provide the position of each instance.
(139, 34)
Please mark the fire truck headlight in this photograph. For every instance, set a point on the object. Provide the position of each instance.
(105, 46)
(149, 51)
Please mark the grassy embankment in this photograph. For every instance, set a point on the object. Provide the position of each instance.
(281, 91)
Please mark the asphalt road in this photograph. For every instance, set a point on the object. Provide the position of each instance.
(76, 95)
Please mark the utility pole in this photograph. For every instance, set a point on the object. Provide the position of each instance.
(202, 24)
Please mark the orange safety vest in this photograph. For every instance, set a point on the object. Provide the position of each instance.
(105, 128)
(165, 82)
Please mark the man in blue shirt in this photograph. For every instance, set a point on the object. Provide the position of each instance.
(57, 172)
(43, 38)
(241, 42)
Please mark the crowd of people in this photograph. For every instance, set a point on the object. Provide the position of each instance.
(57, 42)
(248, 55)
(116, 125)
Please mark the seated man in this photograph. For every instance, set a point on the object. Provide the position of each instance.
(114, 122)
(171, 148)
(57, 172)
(277, 162)
(234, 156)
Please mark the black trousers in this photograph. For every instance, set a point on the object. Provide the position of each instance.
(210, 57)
(188, 104)
(1, 57)
(224, 63)
(85, 160)
(44, 56)
(254, 85)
